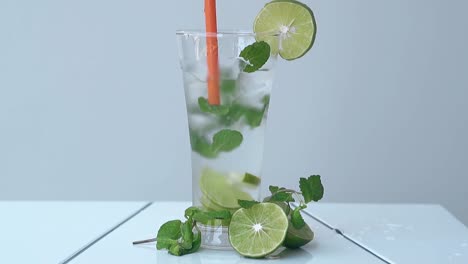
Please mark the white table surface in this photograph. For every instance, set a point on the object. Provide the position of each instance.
(400, 233)
(49, 232)
(328, 247)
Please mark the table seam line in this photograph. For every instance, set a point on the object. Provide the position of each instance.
(339, 232)
(103, 235)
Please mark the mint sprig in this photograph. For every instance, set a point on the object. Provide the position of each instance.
(181, 238)
(311, 190)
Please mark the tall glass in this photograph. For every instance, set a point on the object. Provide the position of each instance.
(227, 140)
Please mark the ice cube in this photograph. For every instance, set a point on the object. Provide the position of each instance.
(194, 90)
(254, 87)
(230, 70)
(199, 122)
(197, 70)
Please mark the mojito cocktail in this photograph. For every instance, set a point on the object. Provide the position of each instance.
(228, 78)
(227, 139)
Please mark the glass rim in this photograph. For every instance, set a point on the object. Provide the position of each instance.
(224, 33)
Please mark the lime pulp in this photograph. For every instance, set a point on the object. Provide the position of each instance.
(259, 230)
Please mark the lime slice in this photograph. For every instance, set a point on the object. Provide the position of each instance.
(209, 205)
(288, 26)
(259, 230)
(296, 238)
(251, 179)
(216, 187)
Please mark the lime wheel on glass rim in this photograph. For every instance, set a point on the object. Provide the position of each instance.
(288, 26)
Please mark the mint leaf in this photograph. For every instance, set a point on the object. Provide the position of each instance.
(296, 217)
(187, 234)
(228, 87)
(201, 145)
(246, 204)
(282, 197)
(311, 188)
(166, 243)
(176, 250)
(228, 90)
(196, 243)
(236, 111)
(256, 55)
(168, 234)
(254, 117)
(211, 215)
(226, 140)
(213, 109)
(273, 189)
(189, 212)
(222, 214)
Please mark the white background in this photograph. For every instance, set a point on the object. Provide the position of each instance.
(92, 104)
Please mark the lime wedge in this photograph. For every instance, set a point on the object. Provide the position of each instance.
(251, 179)
(259, 230)
(296, 238)
(288, 26)
(217, 188)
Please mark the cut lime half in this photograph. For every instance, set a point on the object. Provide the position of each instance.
(288, 26)
(296, 238)
(259, 230)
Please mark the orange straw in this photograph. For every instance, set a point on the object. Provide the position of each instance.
(212, 52)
